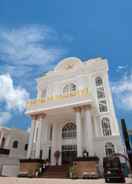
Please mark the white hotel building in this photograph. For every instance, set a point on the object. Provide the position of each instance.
(73, 112)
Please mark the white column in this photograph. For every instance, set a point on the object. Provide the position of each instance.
(44, 139)
(79, 131)
(88, 129)
(54, 144)
(39, 136)
(31, 136)
(59, 143)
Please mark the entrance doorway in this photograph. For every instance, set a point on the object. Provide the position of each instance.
(69, 153)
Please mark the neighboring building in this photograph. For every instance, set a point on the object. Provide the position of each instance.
(130, 137)
(13, 146)
(73, 112)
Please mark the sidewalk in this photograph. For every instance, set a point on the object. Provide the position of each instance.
(11, 180)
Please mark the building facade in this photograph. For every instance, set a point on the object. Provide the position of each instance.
(73, 112)
(13, 146)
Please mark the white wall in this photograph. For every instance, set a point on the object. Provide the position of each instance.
(9, 164)
(10, 170)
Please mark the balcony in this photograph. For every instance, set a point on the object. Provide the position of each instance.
(52, 102)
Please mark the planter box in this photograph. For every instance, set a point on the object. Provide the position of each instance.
(29, 166)
(86, 168)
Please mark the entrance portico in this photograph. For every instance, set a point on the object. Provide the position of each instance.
(48, 132)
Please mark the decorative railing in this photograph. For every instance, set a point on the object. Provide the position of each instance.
(40, 101)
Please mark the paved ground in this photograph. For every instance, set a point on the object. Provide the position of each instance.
(11, 180)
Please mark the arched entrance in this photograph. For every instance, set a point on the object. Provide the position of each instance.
(69, 149)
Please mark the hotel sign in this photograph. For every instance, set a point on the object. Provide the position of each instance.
(40, 101)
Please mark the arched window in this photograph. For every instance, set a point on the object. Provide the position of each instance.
(66, 89)
(109, 149)
(3, 142)
(72, 87)
(106, 127)
(15, 144)
(69, 131)
(69, 88)
(99, 81)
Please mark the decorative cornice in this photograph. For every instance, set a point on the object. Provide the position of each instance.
(77, 109)
(71, 65)
(38, 116)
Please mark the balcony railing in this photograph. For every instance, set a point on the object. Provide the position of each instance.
(84, 92)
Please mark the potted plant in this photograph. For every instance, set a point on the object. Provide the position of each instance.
(71, 171)
(85, 154)
(57, 155)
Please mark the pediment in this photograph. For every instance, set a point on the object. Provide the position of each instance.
(68, 64)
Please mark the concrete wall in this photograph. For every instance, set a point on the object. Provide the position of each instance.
(9, 166)
(10, 170)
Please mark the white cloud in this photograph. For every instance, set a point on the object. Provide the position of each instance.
(14, 97)
(29, 45)
(121, 67)
(4, 118)
(122, 91)
(19, 71)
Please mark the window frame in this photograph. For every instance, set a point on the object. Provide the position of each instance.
(101, 95)
(97, 79)
(15, 144)
(103, 106)
(26, 147)
(109, 146)
(106, 126)
(100, 92)
(3, 141)
(69, 133)
(69, 88)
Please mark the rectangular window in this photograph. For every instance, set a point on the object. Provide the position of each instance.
(100, 92)
(103, 106)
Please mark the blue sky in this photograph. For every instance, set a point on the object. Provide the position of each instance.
(35, 35)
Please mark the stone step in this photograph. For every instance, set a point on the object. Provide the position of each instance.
(55, 172)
